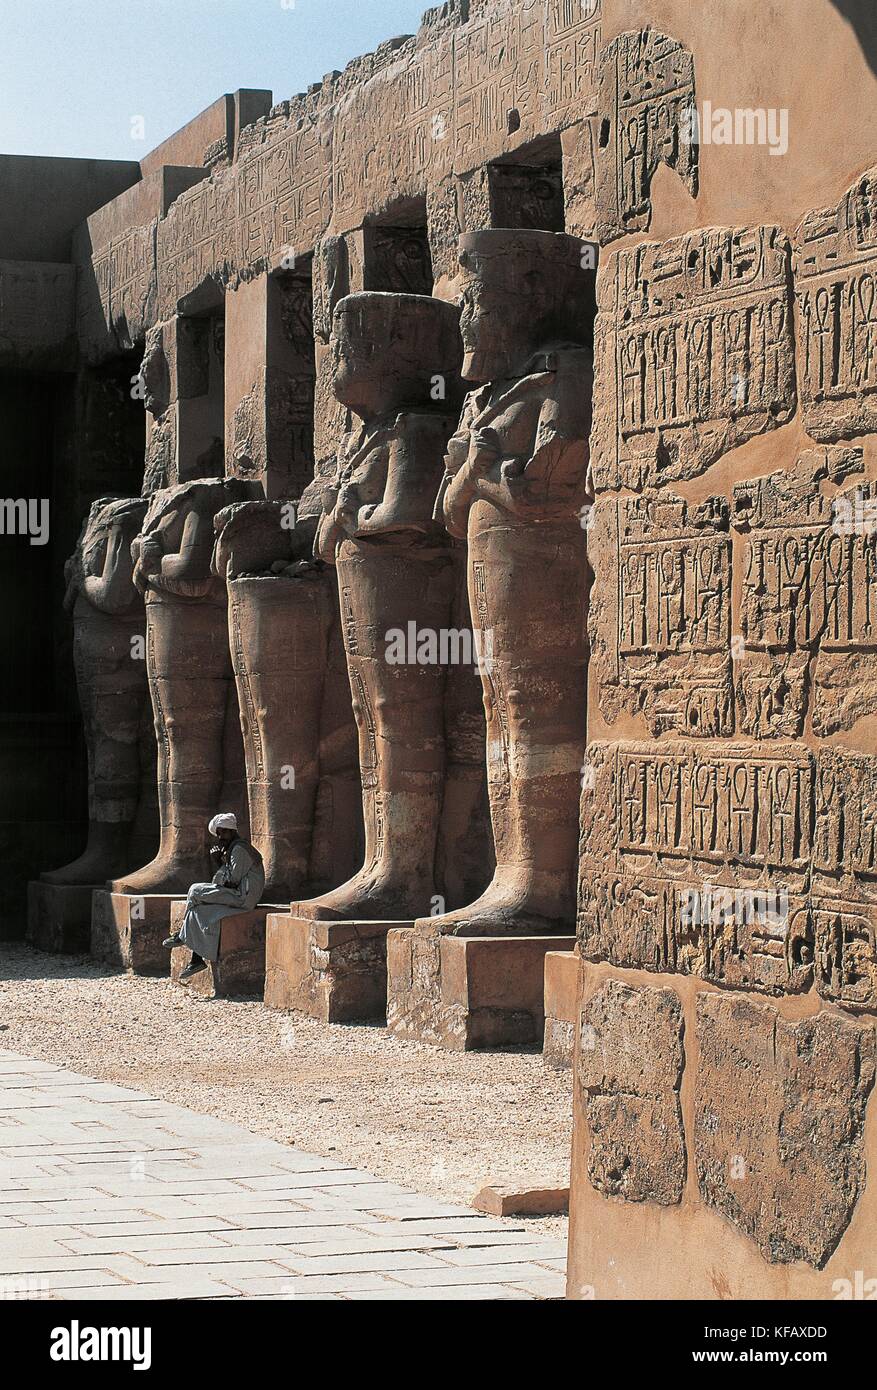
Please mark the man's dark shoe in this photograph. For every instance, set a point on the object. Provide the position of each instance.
(172, 941)
(193, 967)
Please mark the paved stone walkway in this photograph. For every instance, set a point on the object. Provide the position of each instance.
(107, 1193)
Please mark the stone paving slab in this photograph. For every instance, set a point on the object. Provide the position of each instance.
(107, 1193)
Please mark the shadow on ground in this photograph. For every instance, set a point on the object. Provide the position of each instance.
(18, 961)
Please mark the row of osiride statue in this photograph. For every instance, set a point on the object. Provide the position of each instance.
(433, 518)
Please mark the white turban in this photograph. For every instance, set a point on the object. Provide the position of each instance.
(225, 821)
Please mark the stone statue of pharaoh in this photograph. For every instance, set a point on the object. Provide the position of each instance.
(194, 702)
(302, 776)
(395, 366)
(108, 654)
(515, 485)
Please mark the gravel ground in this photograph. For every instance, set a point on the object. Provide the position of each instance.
(442, 1123)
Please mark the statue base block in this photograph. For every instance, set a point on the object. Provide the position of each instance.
(240, 969)
(562, 970)
(59, 917)
(127, 929)
(467, 992)
(332, 971)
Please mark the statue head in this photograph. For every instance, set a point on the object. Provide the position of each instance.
(521, 291)
(106, 514)
(252, 537)
(395, 351)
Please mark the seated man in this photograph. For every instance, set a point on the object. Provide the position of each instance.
(237, 886)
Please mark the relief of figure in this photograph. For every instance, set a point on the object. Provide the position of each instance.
(194, 702)
(395, 366)
(108, 632)
(516, 483)
(299, 740)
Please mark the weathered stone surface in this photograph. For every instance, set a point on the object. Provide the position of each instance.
(727, 815)
(283, 620)
(694, 353)
(194, 701)
(562, 975)
(809, 594)
(333, 971)
(59, 917)
(462, 992)
(420, 752)
(240, 966)
(779, 1150)
(660, 617)
(630, 1071)
(127, 930)
(836, 286)
(37, 320)
(748, 866)
(109, 653)
(644, 117)
(517, 1198)
(515, 482)
(477, 82)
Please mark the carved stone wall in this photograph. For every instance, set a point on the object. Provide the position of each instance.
(727, 911)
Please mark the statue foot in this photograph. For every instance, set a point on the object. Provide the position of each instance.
(96, 864)
(367, 897)
(164, 875)
(509, 906)
(83, 872)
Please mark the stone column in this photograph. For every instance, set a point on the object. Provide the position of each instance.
(515, 486)
(109, 656)
(200, 759)
(395, 361)
(282, 616)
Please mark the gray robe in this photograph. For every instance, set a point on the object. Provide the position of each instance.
(237, 886)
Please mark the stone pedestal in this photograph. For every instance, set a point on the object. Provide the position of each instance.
(333, 971)
(721, 1144)
(58, 916)
(127, 930)
(464, 992)
(240, 968)
(562, 970)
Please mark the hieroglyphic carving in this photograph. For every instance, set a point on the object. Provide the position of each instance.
(753, 865)
(660, 620)
(846, 951)
(274, 200)
(836, 285)
(695, 859)
(645, 97)
(630, 1071)
(758, 939)
(809, 590)
(413, 98)
(119, 297)
(680, 807)
(780, 1152)
(845, 824)
(526, 195)
(459, 94)
(396, 259)
(476, 82)
(695, 346)
(497, 71)
(572, 43)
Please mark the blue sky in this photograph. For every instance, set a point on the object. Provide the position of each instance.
(76, 72)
